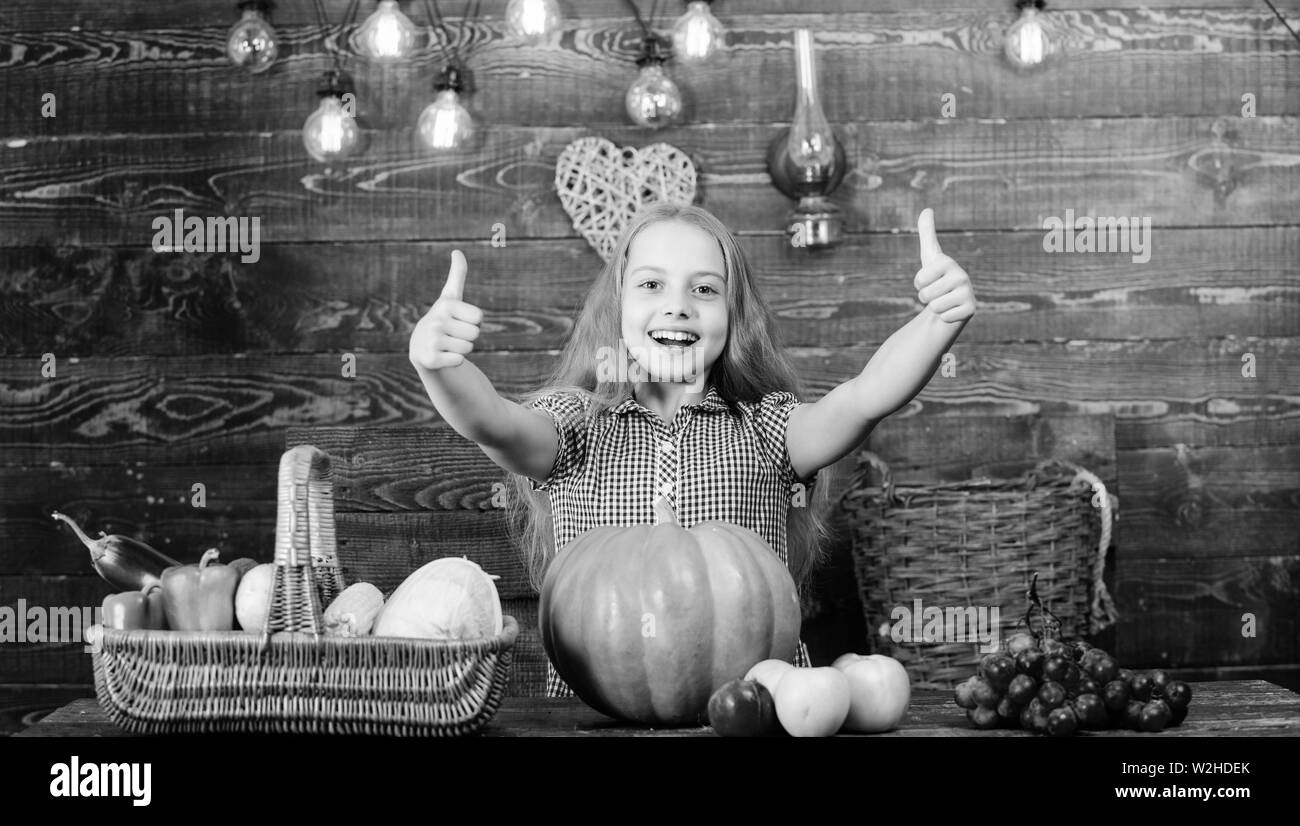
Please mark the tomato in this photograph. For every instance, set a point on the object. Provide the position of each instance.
(743, 708)
(879, 691)
(812, 702)
(769, 673)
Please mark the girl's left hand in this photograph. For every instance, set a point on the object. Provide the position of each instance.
(941, 284)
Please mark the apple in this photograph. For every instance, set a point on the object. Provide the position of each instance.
(812, 702)
(879, 691)
(769, 673)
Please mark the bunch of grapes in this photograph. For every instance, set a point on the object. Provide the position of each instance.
(1046, 685)
(1054, 687)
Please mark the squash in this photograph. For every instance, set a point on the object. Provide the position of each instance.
(646, 622)
(253, 597)
(353, 612)
(446, 599)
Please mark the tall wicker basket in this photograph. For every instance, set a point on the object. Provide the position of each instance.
(975, 544)
(291, 678)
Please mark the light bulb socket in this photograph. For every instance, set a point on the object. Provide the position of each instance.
(453, 77)
(1021, 5)
(815, 223)
(654, 50)
(334, 83)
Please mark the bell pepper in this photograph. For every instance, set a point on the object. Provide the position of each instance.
(200, 597)
(135, 609)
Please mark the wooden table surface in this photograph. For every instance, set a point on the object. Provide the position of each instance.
(1252, 708)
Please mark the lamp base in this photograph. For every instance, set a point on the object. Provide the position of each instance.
(815, 223)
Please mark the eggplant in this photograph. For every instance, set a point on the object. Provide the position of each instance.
(125, 563)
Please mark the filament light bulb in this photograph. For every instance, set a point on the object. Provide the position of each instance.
(1027, 44)
(698, 35)
(654, 100)
(251, 44)
(532, 20)
(331, 133)
(387, 35)
(446, 125)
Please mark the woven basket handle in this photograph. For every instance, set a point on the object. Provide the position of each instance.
(868, 461)
(1103, 613)
(306, 564)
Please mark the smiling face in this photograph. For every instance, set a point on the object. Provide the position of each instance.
(675, 285)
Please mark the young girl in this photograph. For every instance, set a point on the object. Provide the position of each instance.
(674, 384)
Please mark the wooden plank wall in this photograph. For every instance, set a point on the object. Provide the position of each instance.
(176, 369)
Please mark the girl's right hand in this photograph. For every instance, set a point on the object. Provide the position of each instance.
(446, 333)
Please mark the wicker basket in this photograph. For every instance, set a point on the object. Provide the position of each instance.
(291, 678)
(976, 544)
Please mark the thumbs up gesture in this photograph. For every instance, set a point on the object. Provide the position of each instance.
(447, 332)
(941, 284)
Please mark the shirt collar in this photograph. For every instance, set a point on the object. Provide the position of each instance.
(712, 401)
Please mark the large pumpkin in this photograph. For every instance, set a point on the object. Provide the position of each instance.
(646, 622)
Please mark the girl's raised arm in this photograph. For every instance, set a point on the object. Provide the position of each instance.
(520, 440)
(821, 433)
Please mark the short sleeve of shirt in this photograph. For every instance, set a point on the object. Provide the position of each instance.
(771, 417)
(569, 411)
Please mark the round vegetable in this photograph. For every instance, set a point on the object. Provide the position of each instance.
(645, 622)
(743, 708)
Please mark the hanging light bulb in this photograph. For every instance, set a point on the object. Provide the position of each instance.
(251, 44)
(445, 124)
(387, 35)
(698, 35)
(1027, 44)
(331, 133)
(532, 20)
(653, 100)
(808, 162)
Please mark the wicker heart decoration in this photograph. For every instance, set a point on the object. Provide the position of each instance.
(602, 186)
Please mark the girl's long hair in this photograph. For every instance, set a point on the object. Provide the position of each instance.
(752, 364)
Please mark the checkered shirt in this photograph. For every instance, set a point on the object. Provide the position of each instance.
(715, 461)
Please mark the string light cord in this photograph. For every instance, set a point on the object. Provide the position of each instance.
(654, 10)
(322, 20)
(435, 18)
(1283, 19)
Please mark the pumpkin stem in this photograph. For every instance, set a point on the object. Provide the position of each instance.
(664, 512)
